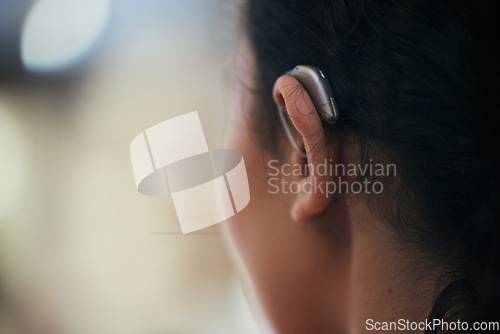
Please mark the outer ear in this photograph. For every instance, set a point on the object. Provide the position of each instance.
(313, 197)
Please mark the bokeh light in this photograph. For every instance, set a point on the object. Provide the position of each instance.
(57, 34)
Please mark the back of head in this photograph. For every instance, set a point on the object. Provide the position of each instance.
(416, 82)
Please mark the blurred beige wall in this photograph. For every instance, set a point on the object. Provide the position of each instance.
(81, 251)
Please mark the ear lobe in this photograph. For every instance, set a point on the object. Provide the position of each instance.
(313, 197)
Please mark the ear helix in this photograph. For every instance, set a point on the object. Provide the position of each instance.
(320, 91)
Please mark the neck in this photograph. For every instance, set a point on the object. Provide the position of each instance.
(388, 283)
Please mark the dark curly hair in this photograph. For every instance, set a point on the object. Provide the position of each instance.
(417, 82)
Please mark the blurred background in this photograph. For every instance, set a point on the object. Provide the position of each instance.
(81, 251)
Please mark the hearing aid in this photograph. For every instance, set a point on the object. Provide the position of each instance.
(319, 89)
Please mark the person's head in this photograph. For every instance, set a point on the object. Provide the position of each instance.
(404, 222)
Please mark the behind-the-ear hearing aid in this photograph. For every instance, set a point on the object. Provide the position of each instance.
(320, 91)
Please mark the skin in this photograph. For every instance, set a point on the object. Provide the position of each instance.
(317, 264)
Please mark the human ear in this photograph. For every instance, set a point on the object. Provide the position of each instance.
(313, 197)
